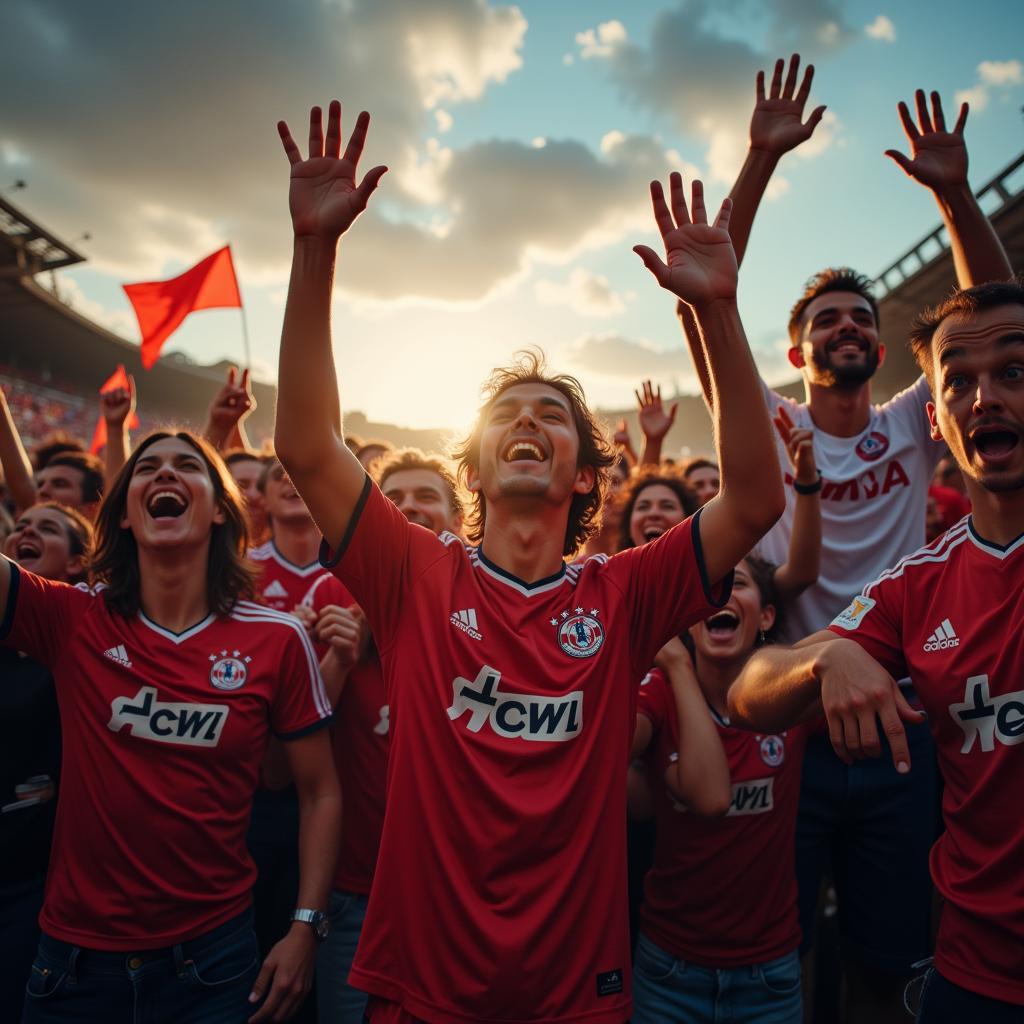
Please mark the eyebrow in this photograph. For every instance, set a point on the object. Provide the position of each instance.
(835, 309)
(1005, 341)
(544, 400)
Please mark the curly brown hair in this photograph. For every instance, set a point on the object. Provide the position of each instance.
(595, 450)
(413, 458)
(115, 563)
(642, 478)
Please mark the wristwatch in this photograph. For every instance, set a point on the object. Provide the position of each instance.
(316, 919)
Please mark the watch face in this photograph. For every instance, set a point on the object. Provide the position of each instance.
(322, 926)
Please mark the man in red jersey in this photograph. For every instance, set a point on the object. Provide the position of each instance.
(950, 617)
(498, 893)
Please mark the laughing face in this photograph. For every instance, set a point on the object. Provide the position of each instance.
(657, 509)
(170, 501)
(839, 344)
(281, 501)
(41, 543)
(978, 387)
(732, 632)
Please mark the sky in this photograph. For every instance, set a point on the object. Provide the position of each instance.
(521, 140)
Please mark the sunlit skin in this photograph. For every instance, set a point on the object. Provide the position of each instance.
(41, 544)
(422, 497)
(839, 344)
(978, 407)
(734, 629)
(705, 482)
(368, 454)
(281, 501)
(246, 473)
(62, 484)
(656, 510)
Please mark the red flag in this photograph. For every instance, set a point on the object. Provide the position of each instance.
(162, 305)
(118, 379)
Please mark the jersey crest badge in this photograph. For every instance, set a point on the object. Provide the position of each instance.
(773, 751)
(853, 615)
(228, 671)
(580, 635)
(872, 447)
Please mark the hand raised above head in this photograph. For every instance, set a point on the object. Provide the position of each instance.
(938, 158)
(799, 442)
(655, 422)
(118, 404)
(324, 198)
(701, 265)
(776, 125)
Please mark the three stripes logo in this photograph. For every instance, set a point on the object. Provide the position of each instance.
(466, 621)
(120, 655)
(943, 638)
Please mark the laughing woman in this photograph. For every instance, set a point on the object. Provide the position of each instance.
(169, 684)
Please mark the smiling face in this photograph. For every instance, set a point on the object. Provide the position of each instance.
(705, 482)
(838, 344)
(64, 484)
(657, 509)
(281, 500)
(42, 543)
(170, 500)
(731, 633)
(422, 497)
(978, 387)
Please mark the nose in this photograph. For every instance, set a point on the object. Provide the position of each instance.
(166, 471)
(986, 395)
(526, 418)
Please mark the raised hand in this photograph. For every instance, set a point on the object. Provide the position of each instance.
(938, 158)
(799, 442)
(324, 198)
(232, 403)
(117, 405)
(701, 265)
(346, 630)
(776, 125)
(654, 421)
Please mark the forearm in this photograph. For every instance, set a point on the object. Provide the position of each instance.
(651, 455)
(17, 469)
(319, 840)
(803, 560)
(691, 332)
(115, 455)
(746, 196)
(335, 674)
(778, 687)
(978, 255)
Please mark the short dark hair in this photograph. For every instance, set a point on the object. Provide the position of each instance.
(229, 576)
(233, 455)
(965, 301)
(89, 466)
(412, 458)
(79, 532)
(53, 444)
(643, 478)
(831, 279)
(698, 462)
(595, 449)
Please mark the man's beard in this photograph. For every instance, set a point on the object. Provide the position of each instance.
(845, 376)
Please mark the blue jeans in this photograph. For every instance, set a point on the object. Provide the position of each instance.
(336, 1001)
(670, 991)
(204, 981)
(942, 1002)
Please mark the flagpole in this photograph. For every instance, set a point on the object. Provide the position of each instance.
(245, 339)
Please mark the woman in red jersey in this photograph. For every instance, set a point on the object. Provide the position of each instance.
(169, 684)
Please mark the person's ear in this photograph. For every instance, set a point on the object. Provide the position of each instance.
(881, 353)
(586, 477)
(936, 431)
(796, 357)
(472, 480)
(767, 617)
(75, 566)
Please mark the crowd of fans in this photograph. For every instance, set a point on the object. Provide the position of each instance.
(340, 732)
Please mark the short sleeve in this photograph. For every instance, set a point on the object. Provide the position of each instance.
(379, 557)
(908, 406)
(666, 588)
(300, 704)
(41, 615)
(653, 698)
(874, 619)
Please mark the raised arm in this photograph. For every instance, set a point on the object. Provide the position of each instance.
(116, 408)
(825, 673)
(17, 469)
(938, 161)
(655, 422)
(701, 270)
(231, 406)
(324, 200)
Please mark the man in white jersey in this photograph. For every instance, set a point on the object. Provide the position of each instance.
(876, 463)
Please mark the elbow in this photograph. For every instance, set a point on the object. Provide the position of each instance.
(715, 803)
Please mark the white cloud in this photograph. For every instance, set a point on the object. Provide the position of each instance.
(777, 187)
(601, 41)
(992, 75)
(444, 120)
(121, 321)
(613, 355)
(976, 96)
(538, 142)
(881, 29)
(586, 293)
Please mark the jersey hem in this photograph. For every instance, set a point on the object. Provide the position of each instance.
(993, 988)
(326, 558)
(725, 584)
(707, 958)
(296, 734)
(12, 599)
(376, 985)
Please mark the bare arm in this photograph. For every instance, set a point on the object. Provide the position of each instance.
(287, 971)
(939, 162)
(624, 443)
(116, 408)
(225, 420)
(825, 673)
(324, 201)
(655, 422)
(17, 469)
(348, 635)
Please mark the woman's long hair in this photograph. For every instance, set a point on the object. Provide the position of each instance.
(115, 563)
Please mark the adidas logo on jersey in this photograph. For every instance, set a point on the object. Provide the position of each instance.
(516, 715)
(986, 718)
(943, 638)
(118, 654)
(275, 590)
(191, 725)
(466, 621)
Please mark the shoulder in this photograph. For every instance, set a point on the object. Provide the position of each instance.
(909, 401)
(266, 622)
(925, 563)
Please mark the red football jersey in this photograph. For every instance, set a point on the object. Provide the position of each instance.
(951, 616)
(499, 892)
(722, 891)
(281, 584)
(360, 742)
(163, 735)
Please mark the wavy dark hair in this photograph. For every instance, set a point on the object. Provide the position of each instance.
(115, 563)
(639, 481)
(78, 530)
(595, 450)
(831, 279)
(762, 572)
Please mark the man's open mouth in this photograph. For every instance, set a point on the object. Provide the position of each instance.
(995, 442)
(519, 451)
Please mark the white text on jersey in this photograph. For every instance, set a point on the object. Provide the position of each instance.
(192, 725)
(516, 715)
(989, 718)
(466, 621)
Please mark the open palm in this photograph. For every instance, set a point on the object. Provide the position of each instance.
(776, 125)
(324, 198)
(701, 261)
(938, 157)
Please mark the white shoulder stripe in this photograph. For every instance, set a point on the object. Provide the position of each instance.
(937, 551)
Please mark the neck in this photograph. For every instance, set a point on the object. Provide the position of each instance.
(172, 586)
(715, 678)
(528, 547)
(998, 517)
(298, 541)
(838, 411)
